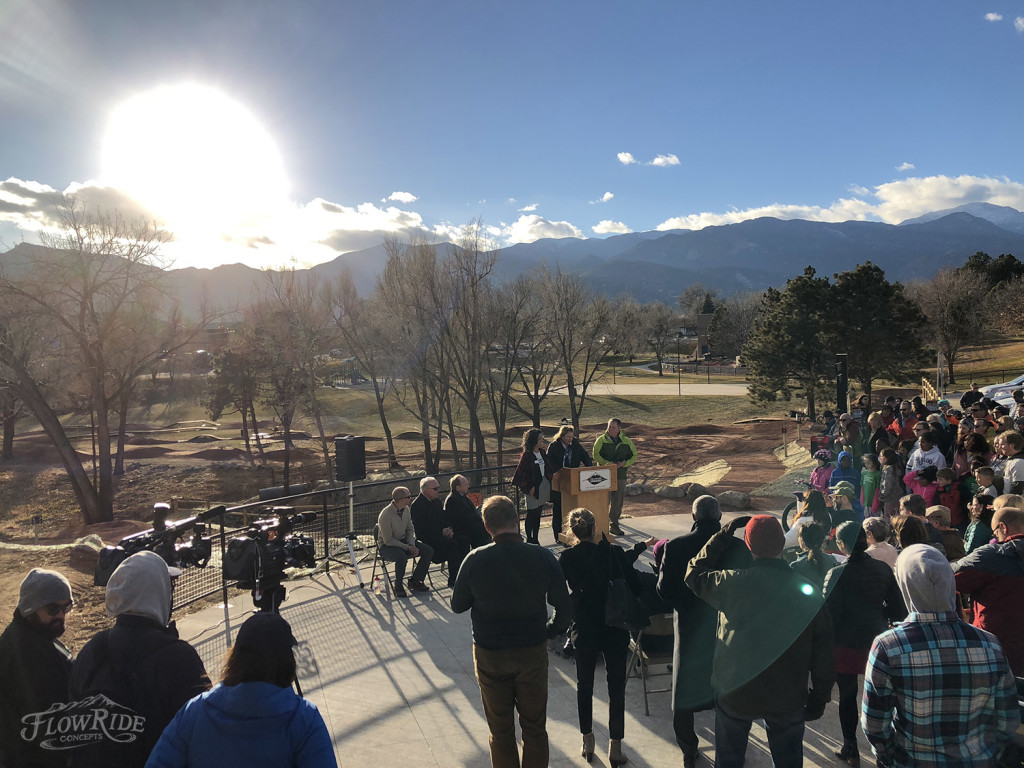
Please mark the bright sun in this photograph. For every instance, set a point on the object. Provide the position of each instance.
(199, 160)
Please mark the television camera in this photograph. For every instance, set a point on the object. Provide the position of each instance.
(165, 539)
(258, 557)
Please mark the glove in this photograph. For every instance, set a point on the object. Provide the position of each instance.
(813, 711)
(737, 523)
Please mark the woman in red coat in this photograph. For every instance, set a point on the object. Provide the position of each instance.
(533, 478)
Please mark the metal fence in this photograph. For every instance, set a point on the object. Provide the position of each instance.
(338, 515)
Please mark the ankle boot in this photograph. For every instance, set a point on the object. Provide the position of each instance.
(588, 746)
(615, 756)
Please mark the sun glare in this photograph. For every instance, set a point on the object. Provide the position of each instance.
(196, 158)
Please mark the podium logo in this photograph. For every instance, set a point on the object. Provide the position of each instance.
(77, 723)
(596, 479)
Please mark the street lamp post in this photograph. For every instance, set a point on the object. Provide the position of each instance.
(679, 373)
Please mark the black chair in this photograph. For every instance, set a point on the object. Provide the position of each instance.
(378, 558)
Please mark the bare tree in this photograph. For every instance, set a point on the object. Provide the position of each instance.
(579, 327)
(953, 302)
(541, 363)
(733, 320)
(92, 273)
(660, 326)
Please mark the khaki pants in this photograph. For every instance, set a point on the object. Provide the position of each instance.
(510, 680)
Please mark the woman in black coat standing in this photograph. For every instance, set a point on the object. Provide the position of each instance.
(533, 478)
(587, 567)
(565, 451)
(863, 599)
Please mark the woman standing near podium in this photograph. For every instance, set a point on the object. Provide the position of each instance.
(533, 478)
(565, 451)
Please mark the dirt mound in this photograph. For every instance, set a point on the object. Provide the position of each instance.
(297, 455)
(702, 429)
(141, 440)
(147, 452)
(203, 439)
(218, 454)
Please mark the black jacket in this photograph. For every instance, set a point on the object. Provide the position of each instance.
(168, 671)
(863, 598)
(696, 621)
(578, 457)
(34, 673)
(429, 520)
(462, 516)
(587, 568)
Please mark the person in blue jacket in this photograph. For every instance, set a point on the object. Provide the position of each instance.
(252, 718)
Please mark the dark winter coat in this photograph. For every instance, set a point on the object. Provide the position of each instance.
(862, 597)
(696, 621)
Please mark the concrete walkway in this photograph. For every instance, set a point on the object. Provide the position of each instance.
(394, 679)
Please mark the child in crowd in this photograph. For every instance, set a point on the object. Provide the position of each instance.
(922, 482)
(939, 516)
(948, 495)
(846, 471)
(823, 472)
(986, 477)
(814, 563)
(870, 478)
(889, 490)
(979, 530)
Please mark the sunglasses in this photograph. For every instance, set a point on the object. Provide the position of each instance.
(56, 609)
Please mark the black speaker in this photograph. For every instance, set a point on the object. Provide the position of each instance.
(349, 458)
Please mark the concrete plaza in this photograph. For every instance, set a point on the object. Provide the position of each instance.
(394, 678)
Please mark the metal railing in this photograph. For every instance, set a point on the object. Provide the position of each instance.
(338, 516)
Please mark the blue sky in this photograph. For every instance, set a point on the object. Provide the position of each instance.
(538, 118)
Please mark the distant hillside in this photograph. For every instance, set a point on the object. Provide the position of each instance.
(750, 255)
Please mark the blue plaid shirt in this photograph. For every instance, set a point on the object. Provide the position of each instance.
(937, 692)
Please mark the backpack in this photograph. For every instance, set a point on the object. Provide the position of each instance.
(115, 683)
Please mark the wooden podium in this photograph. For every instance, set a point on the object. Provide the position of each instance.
(586, 487)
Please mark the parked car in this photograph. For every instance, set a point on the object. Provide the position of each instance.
(1001, 391)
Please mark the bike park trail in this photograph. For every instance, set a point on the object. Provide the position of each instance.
(668, 388)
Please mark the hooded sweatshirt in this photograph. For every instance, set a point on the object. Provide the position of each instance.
(851, 474)
(141, 586)
(926, 580)
(243, 725)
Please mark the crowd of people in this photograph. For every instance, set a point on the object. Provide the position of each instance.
(922, 597)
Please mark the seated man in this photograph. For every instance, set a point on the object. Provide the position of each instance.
(937, 691)
(462, 516)
(434, 530)
(397, 542)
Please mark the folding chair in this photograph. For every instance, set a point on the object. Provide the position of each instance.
(648, 649)
(409, 567)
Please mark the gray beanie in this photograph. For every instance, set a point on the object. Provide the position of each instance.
(42, 587)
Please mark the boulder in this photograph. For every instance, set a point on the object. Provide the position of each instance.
(734, 500)
(84, 554)
(670, 492)
(694, 490)
(635, 489)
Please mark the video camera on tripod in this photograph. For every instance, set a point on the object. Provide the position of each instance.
(258, 557)
(165, 539)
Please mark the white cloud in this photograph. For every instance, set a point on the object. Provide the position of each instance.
(905, 167)
(1018, 23)
(530, 227)
(528, 208)
(603, 199)
(993, 17)
(609, 227)
(857, 189)
(626, 158)
(400, 197)
(663, 161)
(511, 201)
(892, 202)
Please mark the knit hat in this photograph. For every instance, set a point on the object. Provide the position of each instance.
(844, 488)
(42, 587)
(764, 536)
(266, 633)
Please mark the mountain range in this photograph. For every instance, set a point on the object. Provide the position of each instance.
(747, 256)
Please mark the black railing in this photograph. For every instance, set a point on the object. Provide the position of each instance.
(338, 516)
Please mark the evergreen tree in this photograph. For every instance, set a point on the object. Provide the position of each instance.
(790, 350)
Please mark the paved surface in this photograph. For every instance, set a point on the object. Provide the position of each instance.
(394, 678)
(668, 387)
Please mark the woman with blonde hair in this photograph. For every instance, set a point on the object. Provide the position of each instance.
(587, 566)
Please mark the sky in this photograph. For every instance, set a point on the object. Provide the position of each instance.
(278, 134)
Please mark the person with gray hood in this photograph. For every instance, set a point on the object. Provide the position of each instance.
(937, 691)
(140, 664)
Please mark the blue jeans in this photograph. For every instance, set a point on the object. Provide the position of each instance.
(785, 739)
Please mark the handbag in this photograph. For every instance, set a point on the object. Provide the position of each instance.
(620, 604)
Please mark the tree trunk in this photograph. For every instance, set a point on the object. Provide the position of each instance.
(10, 419)
(949, 370)
(106, 464)
(122, 423)
(388, 437)
(245, 436)
(256, 431)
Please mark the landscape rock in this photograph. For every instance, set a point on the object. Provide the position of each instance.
(734, 500)
(85, 553)
(694, 491)
(670, 492)
(635, 489)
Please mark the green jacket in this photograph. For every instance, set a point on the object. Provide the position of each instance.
(604, 451)
(773, 629)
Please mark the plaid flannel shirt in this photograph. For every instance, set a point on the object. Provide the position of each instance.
(937, 692)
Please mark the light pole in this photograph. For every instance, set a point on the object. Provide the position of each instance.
(679, 373)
